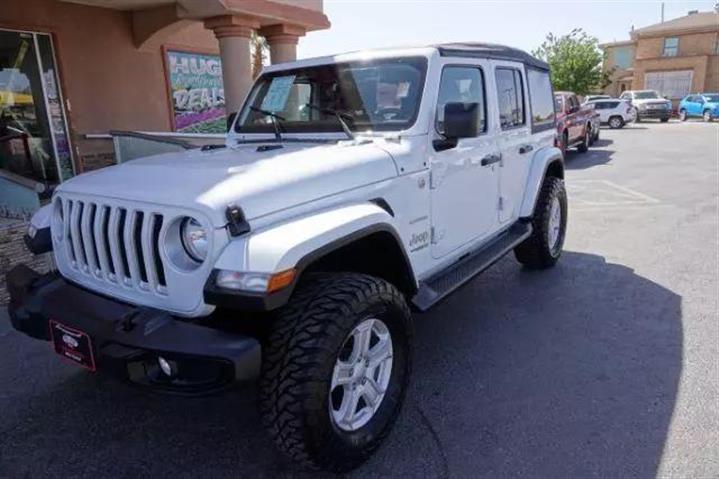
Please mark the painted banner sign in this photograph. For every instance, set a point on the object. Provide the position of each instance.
(198, 97)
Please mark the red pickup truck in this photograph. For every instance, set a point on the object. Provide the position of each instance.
(577, 125)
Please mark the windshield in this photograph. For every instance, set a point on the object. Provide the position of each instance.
(645, 95)
(376, 95)
(712, 98)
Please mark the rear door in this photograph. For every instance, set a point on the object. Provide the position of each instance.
(464, 178)
(514, 136)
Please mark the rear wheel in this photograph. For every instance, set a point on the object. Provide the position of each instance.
(335, 369)
(616, 122)
(707, 116)
(549, 225)
(682, 115)
(584, 145)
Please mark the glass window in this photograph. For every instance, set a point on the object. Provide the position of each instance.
(623, 57)
(540, 96)
(33, 132)
(376, 95)
(510, 97)
(461, 85)
(671, 47)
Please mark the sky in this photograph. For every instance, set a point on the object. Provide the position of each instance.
(361, 24)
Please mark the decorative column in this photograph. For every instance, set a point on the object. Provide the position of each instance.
(233, 33)
(283, 40)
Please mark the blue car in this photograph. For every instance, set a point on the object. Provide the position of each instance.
(705, 105)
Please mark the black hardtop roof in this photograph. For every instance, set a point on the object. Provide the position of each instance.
(489, 50)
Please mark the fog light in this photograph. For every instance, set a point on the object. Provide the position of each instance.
(167, 367)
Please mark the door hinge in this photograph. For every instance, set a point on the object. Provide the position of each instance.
(435, 235)
(500, 204)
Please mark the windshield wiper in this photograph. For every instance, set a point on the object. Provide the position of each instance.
(338, 115)
(275, 120)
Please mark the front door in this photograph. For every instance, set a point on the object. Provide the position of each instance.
(465, 177)
(34, 140)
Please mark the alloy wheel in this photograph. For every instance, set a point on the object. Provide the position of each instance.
(361, 375)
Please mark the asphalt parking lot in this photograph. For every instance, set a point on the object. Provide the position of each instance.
(605, 366)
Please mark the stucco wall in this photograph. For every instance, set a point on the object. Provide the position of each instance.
(697, 64)
(108, 82)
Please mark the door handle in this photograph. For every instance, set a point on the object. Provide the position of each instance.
(491, 159)
(525, 149)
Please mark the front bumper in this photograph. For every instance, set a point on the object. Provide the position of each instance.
(654, 113)
(128, 340)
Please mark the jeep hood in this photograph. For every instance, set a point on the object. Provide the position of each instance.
(258, 179)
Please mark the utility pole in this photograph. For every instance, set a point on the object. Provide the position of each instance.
(662, 12)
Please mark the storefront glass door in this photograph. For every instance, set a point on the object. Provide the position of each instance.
(34, 140)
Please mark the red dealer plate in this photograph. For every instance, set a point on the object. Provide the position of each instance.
(73, 345)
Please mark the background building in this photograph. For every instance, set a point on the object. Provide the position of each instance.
(69, 68)
(676, 57)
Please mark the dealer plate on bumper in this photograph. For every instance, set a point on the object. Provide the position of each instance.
(73, 345)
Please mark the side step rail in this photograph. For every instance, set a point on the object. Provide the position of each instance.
(435, 288)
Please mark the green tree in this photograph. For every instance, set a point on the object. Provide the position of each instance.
(575, 61)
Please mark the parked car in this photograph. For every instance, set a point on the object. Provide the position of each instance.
(577, 125)
(648, 104)
(704, 105)
(589, 98)
(615, 113)
(350, 187)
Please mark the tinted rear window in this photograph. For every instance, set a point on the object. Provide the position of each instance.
(540, 97)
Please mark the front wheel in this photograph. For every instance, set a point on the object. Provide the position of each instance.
(682, 115)
(707, 116)
(664, 120)
(335, 369)
(549, 225)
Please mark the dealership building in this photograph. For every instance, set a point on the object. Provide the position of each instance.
(73, 71)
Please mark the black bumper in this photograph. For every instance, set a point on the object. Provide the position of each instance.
(128, 340)
(654, 113)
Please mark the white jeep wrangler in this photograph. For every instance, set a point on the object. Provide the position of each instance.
(351, 189)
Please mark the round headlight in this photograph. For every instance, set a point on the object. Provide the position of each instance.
(194, 239)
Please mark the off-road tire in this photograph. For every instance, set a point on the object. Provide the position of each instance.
(583, 147)
(535, 252)
(616, 122)
(683, 115)
(707, 116)
(299, 358)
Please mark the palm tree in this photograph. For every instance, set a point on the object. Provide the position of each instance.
(260, 53)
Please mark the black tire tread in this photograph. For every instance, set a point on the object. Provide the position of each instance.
(534, 251)
(293, 360)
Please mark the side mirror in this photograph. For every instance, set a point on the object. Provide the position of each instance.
(461, 120)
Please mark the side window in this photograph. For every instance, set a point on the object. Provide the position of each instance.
(510, 97)
(461, 85)
(599, 105)
(613, 105)
(540, 98)
(671, 47)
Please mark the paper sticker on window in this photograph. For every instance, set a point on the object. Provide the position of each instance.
(277, 94)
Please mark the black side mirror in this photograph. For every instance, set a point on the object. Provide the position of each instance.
(461, 120)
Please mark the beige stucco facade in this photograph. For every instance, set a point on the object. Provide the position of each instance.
(697, 54)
